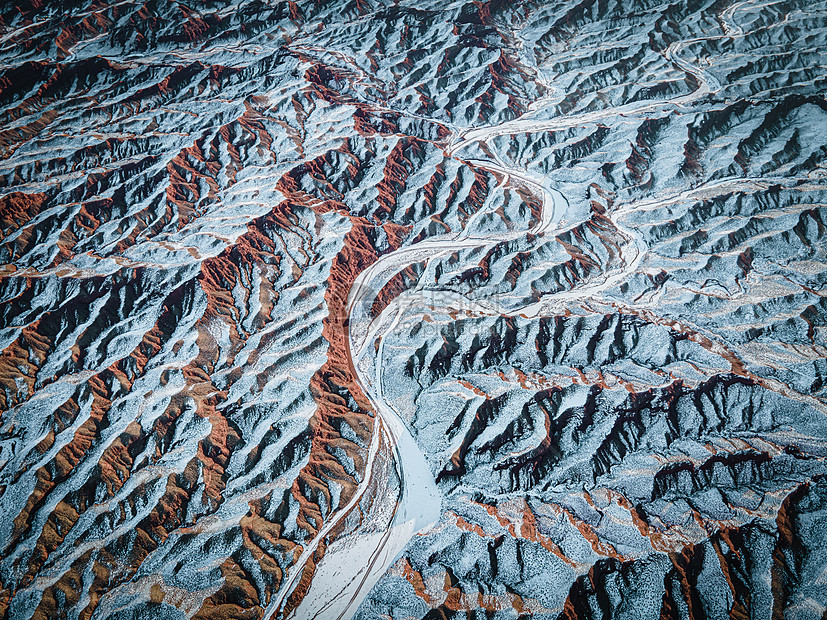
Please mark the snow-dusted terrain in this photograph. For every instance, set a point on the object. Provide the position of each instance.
(361, 309)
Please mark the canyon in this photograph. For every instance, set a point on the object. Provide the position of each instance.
(374, 309)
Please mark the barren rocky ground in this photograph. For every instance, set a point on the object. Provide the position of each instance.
(413, 309)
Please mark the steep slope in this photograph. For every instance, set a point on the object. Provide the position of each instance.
(412, 309)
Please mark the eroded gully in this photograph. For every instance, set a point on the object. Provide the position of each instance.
(342, 577)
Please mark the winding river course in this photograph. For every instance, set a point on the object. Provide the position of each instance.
(353, 564)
